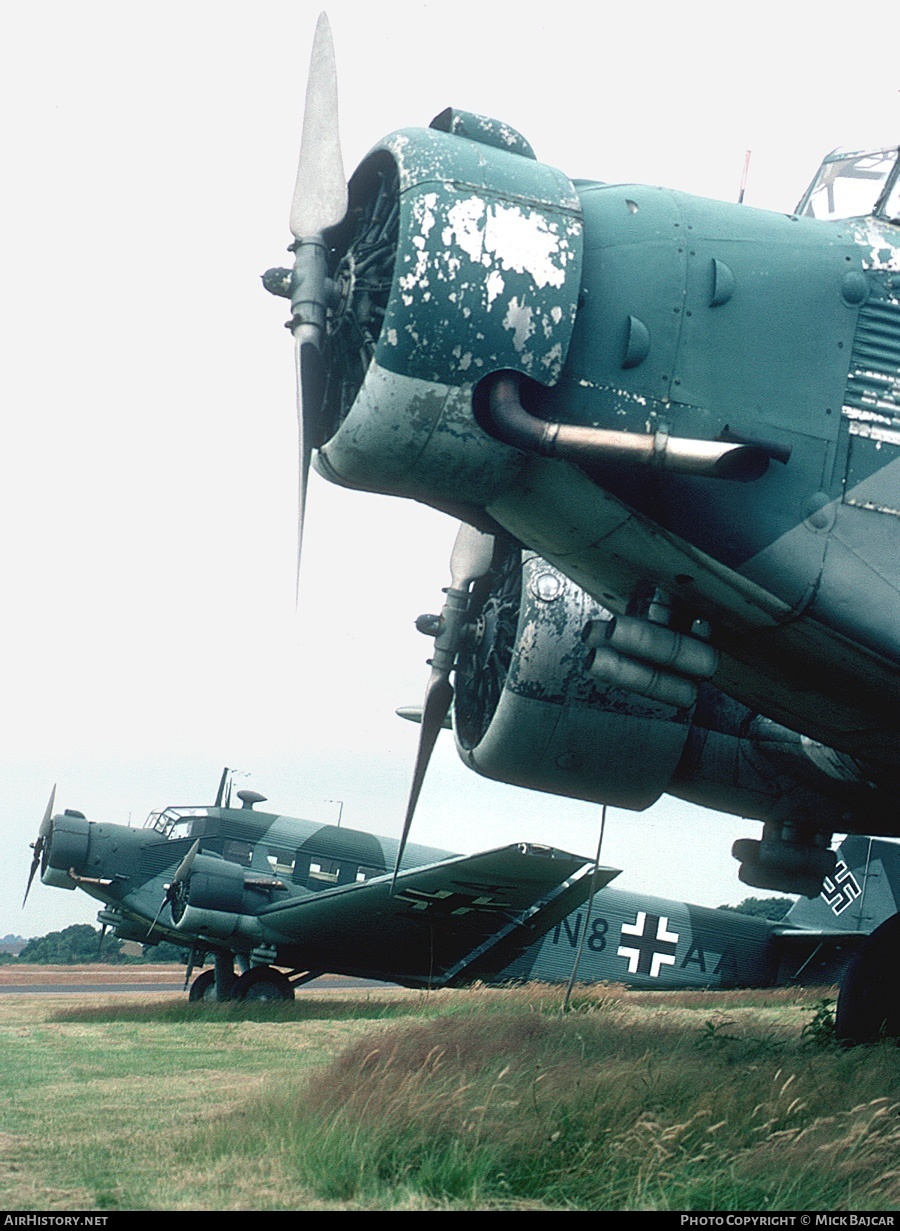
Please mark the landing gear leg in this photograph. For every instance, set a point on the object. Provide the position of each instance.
(868, 1008)
(224, 964)
(216, 984)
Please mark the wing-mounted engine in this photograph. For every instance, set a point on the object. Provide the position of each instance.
(555, 694)
(460, 255)
(222, 899)
(528, 711)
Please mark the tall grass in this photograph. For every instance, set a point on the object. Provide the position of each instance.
(506, 1102)
(485, 1098)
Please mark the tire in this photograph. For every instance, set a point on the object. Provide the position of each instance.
(263, 983)
(868, 1008)
(204, 988)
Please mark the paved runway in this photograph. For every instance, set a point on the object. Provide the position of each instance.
(325, 983)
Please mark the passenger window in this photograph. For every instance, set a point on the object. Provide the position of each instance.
(281, 862)
(238, 852)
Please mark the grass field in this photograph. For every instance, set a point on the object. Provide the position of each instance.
(488, 1098)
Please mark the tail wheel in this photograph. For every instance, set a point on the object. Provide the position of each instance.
(263, 983)
(868, 1007)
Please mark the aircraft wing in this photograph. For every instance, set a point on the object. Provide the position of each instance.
(440, 920)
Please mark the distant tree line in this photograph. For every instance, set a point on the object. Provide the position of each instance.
(82, 943)
(764, 908)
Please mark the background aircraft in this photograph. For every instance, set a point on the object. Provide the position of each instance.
(274, 892)
(691, 409)
(286, 900)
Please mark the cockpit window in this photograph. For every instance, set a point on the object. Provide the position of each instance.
(177, 822)
(849, 185)
(892, 204)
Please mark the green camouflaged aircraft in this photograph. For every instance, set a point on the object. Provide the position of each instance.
(691, 411)
(275, 901)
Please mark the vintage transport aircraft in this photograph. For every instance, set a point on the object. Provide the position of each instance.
(286, 900)
(689, 409)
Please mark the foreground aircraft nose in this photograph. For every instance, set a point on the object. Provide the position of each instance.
(74, 852)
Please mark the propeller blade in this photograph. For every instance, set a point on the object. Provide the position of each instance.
(307, 415)
(320, 193)
(38, 844)
(438, 699)
(470, 559)
(319, 203)
(471, 556)
(182, 872)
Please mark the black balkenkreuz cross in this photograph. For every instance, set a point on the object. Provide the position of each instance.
(446, 902)
(650, 944)
(841, 889)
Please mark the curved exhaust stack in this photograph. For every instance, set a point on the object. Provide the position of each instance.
(649, 659)
(716, 459)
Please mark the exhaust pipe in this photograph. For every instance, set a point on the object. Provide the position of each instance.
(511, 423)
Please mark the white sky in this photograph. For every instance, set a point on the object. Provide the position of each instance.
(149, 440)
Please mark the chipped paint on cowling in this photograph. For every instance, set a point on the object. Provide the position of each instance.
(487, 274)
(518, 319)
(552, 727)
(880, 240)
(415, 438)
(509, 237)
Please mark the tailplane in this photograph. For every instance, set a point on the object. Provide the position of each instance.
(862, 892)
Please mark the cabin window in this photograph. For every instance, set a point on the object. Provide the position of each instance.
(366, 874)
(238, 852)
(281, 862)
(324, 870)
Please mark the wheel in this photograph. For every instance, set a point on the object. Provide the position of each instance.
(868, 1007)
(263, 983)
(204, 987)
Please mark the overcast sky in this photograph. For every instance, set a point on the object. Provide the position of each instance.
(149, 441)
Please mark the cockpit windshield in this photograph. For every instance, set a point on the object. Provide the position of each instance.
(176, 822)
(852, 185)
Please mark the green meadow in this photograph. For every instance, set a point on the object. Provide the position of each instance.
(477, 1099)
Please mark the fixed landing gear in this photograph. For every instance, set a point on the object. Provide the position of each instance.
(258, 983)
(868, 1008)
(216, 984)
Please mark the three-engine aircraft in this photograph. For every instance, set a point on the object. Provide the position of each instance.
(286, 900)
(272, 892)
(690, 409)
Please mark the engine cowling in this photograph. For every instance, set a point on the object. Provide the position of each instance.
(527, 710)
(67, 847)
(216, 900)
(452, 232)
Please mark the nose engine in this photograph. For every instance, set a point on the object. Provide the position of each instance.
(66, 848)
(459, 255)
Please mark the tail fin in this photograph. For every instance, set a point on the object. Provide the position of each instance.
(862, 893)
